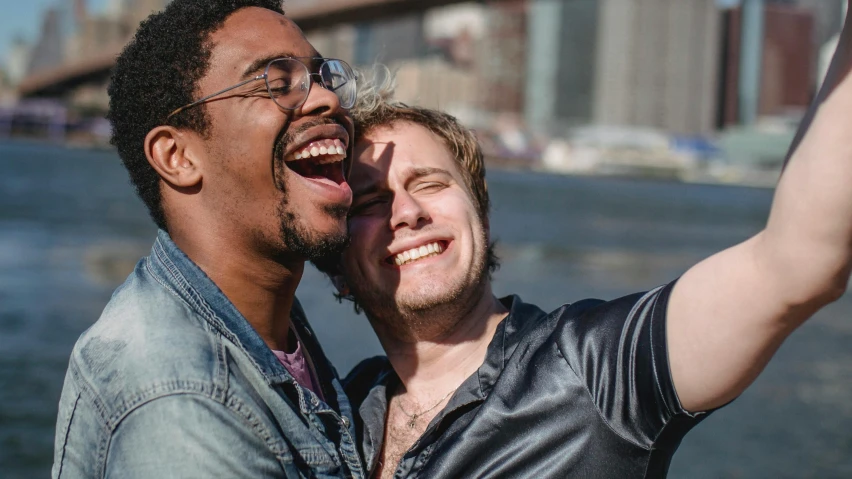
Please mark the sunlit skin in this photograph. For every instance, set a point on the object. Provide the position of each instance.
(224, 194)
(410, 193)
(433, 316)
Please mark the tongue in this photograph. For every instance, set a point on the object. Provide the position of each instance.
(322, 179)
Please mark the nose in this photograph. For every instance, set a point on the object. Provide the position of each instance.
(406, 211)
(320, 102)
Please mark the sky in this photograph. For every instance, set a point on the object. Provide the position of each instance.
(23, 18)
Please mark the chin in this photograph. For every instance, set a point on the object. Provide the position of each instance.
(313, 241)
(427, 296)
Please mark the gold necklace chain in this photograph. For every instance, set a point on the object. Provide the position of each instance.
(412, 421)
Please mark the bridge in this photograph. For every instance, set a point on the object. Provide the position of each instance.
(95, 69)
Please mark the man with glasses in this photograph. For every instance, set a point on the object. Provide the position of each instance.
(235, 134)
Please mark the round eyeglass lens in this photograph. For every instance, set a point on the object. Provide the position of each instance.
(338, 77)
(288, 82)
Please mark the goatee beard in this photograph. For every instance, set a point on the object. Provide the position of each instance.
(308, 244)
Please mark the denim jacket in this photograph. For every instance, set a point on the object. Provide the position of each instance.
(172, 381)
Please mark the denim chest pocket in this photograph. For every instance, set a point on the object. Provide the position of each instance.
(315, 462)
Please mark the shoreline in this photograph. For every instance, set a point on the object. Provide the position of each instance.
(491, 161)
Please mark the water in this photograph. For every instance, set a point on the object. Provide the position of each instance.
(71, 229)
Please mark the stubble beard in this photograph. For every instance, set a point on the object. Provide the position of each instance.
(429, 313)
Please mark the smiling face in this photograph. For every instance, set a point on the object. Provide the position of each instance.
(273, 176)
(417, 242)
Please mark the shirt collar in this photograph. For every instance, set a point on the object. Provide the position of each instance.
(506, 338)
(503, 344)
(474, 389)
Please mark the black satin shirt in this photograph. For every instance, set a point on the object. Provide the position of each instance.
(584, 392)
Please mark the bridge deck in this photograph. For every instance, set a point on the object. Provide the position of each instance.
(322, 14)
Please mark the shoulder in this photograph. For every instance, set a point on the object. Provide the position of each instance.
(618, 350)
(588, 316)
(364, 376)
(596, 336)
(147, 342)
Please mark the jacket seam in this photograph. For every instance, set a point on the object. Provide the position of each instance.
(65, 428)
(156, 391)
(191, 299)
(101, 413)
(88, 389)
(233, 404)
(196, 309)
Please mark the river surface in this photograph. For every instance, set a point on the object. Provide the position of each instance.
(71, 229)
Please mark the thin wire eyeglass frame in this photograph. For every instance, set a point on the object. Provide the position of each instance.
(265, 76)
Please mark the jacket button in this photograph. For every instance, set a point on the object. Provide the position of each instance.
(345, 421)
(314, 401)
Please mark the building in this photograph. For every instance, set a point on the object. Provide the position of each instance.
(17, 60)
(644, 63)
(48, 51)
(389, 40)
(828, 20)
(788, 58)
(827, 15)
(433, 52)
(138, 10)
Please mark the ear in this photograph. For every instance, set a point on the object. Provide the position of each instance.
(339, 283)
(171, 154)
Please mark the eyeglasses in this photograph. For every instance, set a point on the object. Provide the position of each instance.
(288, 82)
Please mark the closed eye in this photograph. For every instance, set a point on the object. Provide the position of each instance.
(280, 90)
(430, 187)
(283, 86)
(257, 91)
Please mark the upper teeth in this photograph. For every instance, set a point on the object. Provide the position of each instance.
(414, 254)
(320, 150)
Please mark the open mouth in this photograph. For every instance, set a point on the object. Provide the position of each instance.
(419, 253)
(320, 160)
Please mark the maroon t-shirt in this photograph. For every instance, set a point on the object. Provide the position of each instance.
(298, 367)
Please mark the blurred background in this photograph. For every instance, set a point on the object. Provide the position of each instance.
(625, 139)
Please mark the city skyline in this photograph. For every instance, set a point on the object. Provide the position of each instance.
(660, 64)
(23, 20)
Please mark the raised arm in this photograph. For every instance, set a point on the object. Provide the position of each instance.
(729, 314)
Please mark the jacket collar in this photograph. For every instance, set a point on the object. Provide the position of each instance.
(180, 274)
